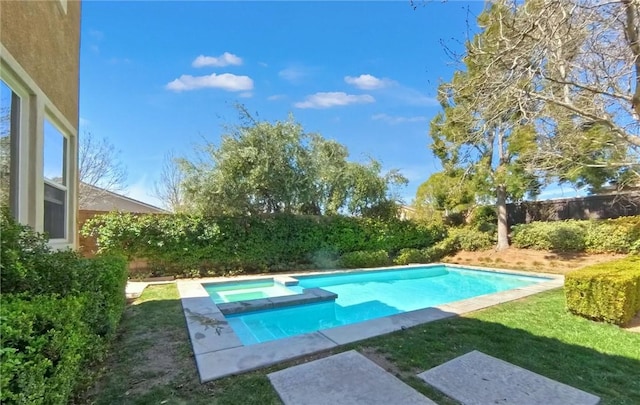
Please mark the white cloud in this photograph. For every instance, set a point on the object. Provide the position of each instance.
(225, 59)
(225, 81)
(391, 119)
(333, 99)
(276, 97)
(367, 82)
(293, 74)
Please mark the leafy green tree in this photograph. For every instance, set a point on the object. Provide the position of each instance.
(448, 193)
(483, 134)
(263, 167)
(571, 68)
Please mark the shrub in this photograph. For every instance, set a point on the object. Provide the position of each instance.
(612, 235)
(58, 311)
(408, 256)
(607, 292)
(190, 244)
(445, 247)
(484, 219)
(561, 236)
(360, 259)
(44, 347)
(471, 240)
(597, 236)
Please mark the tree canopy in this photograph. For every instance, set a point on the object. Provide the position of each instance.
(265, 167)
(572, 70)
(482, 138)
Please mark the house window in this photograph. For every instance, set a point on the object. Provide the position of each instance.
(55, 182)
(9, 126)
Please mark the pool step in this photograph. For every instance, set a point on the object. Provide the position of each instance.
(285, 280)
(308, 296)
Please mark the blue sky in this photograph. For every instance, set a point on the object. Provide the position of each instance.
(162, 76)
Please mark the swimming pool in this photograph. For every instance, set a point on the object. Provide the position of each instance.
(361, 296)
(247, 290)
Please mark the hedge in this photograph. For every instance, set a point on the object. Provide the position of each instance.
(608, 292)
(362, 259)
(199, 246)
(621, 235)
(58, 312)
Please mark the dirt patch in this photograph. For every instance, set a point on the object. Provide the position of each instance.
(634, 324)
(530, 260)
(160, 364)
(380, 359)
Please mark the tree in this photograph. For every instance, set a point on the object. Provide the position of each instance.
(99, 169)
(263, 167)
(169, 188)
(574, 73)
(446, 194)
(482, 136)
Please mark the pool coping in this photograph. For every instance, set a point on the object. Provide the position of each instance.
(220, 353)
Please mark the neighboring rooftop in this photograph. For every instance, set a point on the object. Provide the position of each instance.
(105, 200)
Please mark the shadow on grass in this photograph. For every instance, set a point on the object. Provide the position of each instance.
(609, 368)
(152, 360)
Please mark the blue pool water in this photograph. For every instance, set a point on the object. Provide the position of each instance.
(368, 295)
(246, 290)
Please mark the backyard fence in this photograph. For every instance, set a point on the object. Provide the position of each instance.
(590, 207)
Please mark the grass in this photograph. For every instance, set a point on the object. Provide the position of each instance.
(152, 363)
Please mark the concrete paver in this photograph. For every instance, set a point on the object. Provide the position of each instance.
(347, 378)
(237, 360)
(476, 378)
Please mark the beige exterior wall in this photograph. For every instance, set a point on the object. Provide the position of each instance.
(45, 41)
(39, 61)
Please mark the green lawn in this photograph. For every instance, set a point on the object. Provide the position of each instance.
(151, 361)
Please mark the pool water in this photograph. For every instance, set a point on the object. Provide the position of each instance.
(243, 291)
(368, 295)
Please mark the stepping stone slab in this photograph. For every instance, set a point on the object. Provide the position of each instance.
(347, 378)
(479, 379)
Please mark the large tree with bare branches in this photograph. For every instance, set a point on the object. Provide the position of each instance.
(573, 71)
(100, 169)
(169, 188)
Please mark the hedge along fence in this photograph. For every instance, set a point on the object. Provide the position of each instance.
(194, 245)
(621, 235)
(607, 292)
(58, 313)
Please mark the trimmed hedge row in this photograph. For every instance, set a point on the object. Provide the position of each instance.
(621, 235)
(608, 292)
(58, 312)
(200, 246)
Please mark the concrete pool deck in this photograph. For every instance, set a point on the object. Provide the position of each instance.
(220, 353)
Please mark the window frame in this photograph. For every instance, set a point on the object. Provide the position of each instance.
(51, 183)
(35, 107)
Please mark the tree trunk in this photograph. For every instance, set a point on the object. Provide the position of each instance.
(501, 209)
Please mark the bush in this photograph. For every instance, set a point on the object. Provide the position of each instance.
(44, 347)
(597, 236)
(408, 256)
(195, 245)
(361, 259)
(484, 219)
(612, 235)
(58, 311)
(445, 247)
(471, 240)
(561, 236)
(607, 292)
